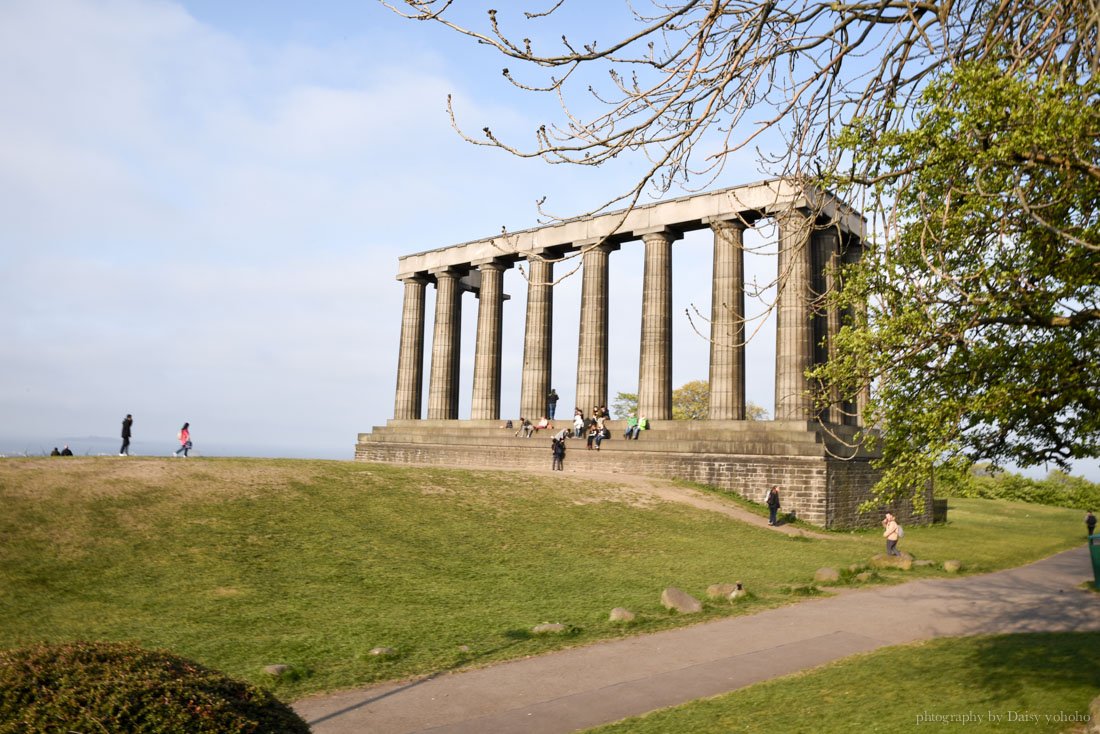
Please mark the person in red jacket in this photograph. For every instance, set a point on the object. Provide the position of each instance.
(184, 437)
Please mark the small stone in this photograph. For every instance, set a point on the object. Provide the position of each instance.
(720, 591)
(923, 563)
(864, 577)
(618, 614)
(681, 601)
(382, 651)
(826, 575)
(276, 670)
(464, 648)
(952, 566)
(548, 628)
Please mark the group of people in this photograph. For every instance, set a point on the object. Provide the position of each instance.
(63, 452)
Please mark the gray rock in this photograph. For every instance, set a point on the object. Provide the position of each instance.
(548, 628)
(276, 670)
(952, 566)
(681, 601)
(720, 591)
(618, 614)
(881, 560)
(826, 575)
(382, 651)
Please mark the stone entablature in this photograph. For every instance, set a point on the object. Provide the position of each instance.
(683, 214)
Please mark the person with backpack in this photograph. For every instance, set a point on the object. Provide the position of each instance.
(893, 533)
(773, 504)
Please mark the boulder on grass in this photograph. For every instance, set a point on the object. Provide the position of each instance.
(952, 566)
(680, 601)
(618, 614)
(864, 577)
(548, 628)
(826, 575)
(881, 560)
(720, 591)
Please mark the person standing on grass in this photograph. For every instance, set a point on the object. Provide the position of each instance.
(557, 449)
(127, 422)
(773, 504)
(1090, 522)
(184, 437)
(892, 531)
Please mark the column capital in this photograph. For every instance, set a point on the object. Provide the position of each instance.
(666, 233)
(491, 263)
(739, 222)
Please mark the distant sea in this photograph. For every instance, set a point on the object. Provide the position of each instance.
(104, 446)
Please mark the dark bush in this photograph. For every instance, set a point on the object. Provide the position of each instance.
(112, 687)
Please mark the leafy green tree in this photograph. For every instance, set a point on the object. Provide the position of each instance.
(690, 401)
(981, 331)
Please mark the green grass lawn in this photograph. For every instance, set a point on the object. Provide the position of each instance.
(1032, 682)
(242, 563)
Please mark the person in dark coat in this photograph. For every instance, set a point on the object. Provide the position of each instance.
(127, 422)
(773, 504)
(1090, 522)
(66, 451)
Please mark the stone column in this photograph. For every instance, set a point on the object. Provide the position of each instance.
(592, 340)
(655, 363)
(486, 396)
(410, 360)
(794, 328)
(856, 408)
(537, 339)
(826, 318)
(727, 322)
(443, 381)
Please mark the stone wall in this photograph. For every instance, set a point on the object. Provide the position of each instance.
(818, 489)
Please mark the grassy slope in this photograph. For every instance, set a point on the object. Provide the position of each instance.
(243, 563)
(909, 688)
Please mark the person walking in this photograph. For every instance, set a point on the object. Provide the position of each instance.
(551, 403)
(1090, 522)
(184, 437)
(773, 504)
(892, 533)
(127, 423)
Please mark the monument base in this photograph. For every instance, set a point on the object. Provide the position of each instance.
(822, 478)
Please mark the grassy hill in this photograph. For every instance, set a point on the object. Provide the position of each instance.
(242, 563)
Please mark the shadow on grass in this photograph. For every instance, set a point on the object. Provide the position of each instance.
(1012, 665)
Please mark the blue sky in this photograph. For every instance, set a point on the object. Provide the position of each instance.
(202, 204)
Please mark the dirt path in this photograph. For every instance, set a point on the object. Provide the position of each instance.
(665, 491)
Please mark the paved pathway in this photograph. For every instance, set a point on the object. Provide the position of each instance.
(583, 687)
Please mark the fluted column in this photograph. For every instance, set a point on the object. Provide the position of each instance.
(443, 381)
(592, 339)
(410, 360)
(794, 328)
(655, 363)
(826, 315)
(537, 339)
(727, 322)
(485, 404)
(856, 409)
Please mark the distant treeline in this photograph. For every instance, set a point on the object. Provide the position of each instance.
(1058, 488)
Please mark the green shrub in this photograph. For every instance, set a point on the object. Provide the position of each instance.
(1057, 489)
(112, 687)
